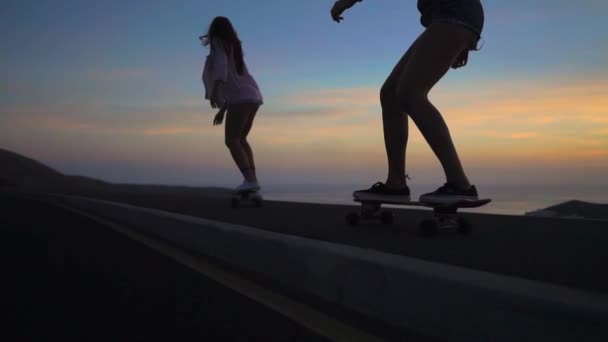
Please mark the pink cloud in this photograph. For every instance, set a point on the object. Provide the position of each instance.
(169, 131)
(333, 97)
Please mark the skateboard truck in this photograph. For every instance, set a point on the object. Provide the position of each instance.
(445, 219)
(249, 196)
(445, 216)
(370, 211)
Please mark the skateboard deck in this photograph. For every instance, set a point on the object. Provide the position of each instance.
(453, 205)
(246, 196)
(445, 215)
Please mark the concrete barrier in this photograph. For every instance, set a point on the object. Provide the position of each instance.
(435, 299)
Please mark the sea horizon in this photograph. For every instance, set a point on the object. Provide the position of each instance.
(507, 199)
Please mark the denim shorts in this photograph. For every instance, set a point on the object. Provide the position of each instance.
(468, 13)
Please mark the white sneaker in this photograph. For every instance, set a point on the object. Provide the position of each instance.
(248, 186)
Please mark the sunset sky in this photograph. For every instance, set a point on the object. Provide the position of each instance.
(111, 89)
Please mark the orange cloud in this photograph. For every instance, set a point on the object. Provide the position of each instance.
(525, 120)
(603, 131)
(519, 122)
(168, 131)
(506, 135)
(592, 153)
(523, 135)
(333, 97)
(97, 119)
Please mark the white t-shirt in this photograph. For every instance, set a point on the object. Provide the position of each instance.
(220, 65)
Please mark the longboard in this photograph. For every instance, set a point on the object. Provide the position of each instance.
(445, 215)
(247, 196)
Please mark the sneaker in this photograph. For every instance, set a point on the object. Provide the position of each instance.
(380, 192)
(449, 194)
(248, 186)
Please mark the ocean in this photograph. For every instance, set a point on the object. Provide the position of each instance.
(506, 199)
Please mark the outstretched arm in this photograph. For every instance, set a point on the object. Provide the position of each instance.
(341, 6)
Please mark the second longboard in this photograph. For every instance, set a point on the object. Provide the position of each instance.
(445, 216)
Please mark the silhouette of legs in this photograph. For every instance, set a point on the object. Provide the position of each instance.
(245, 143)
(395, 124)
(239, 120)
(423, 65)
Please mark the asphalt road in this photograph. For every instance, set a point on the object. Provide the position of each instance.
(65, 277)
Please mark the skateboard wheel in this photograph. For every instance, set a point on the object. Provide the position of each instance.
(257, 202)
(352, 219)
(369, 210)
(235, 203)
(464, 226)
(387, 217)
(429, 227)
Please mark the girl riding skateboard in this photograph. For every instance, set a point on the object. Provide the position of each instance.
(452, 29)
(230, 87)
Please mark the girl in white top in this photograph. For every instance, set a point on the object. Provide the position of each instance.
(230, 87)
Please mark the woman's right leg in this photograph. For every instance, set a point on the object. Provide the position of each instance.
(248, 124)
(236, 123)
(395, 127)
(395, 124)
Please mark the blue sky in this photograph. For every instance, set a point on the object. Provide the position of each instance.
(82, 76)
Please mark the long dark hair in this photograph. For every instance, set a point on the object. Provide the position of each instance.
(222, 28)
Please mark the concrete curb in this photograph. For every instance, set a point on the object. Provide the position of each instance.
(431, 298)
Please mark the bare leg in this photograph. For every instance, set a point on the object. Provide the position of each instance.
(238, 123)
(395, 125)
(245, 143)
(434, 54)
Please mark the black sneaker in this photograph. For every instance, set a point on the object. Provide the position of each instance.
(449, 194)
(380, 192)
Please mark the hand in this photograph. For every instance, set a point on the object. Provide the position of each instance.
(339, 7)
(217, 97)
(461, 60)
(217, 100)
(219, 117)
